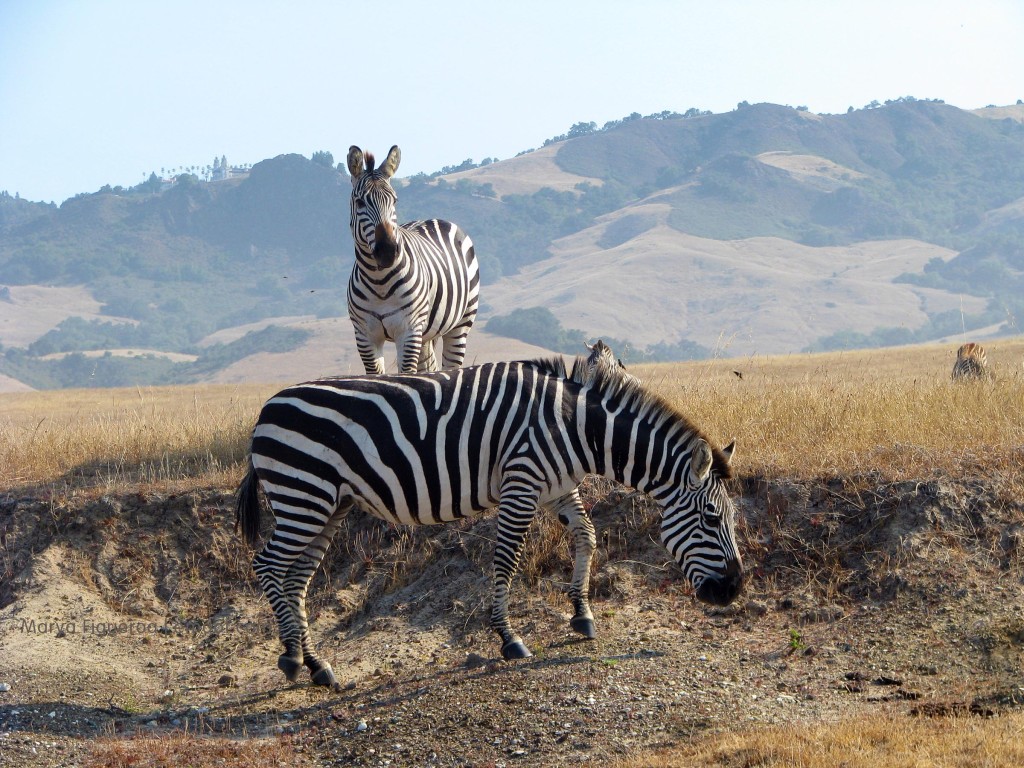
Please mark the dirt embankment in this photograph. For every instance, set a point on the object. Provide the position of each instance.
(138, 615)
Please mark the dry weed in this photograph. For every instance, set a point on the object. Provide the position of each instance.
(895, 412)
(863, 742)
(125, 438)
(892, 411)
(184, 749)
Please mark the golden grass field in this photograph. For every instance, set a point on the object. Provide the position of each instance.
(892, 412)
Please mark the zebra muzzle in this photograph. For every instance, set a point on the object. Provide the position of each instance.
(721, 590)
(385, 245)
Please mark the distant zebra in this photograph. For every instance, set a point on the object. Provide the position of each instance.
(436, 447)
(410, 284)
(971, 362)
(601, 355)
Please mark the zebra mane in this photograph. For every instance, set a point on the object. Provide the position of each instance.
(553, 366)
(609, 381)
(370, 161)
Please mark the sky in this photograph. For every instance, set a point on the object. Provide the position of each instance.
(96, 92)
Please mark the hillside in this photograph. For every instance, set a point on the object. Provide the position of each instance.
(737, 297)
(764, 229)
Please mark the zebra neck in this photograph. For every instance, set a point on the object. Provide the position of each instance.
(367, 263)
(640, 447)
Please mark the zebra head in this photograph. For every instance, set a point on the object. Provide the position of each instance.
(374, 220)
(697, 526)
(601, 359)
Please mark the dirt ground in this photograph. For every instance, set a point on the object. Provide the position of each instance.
(132, 616)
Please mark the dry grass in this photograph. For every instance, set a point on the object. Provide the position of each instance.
(894, 412)
(865, 742)
(174, 750)
(118, 438)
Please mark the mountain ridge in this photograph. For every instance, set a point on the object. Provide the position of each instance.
(170, 268)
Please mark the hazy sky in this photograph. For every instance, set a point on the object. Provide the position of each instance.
(96, 92)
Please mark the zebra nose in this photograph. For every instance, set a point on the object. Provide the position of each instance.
(385, 246)
(721, 590)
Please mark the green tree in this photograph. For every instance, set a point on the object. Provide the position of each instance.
(325, 159)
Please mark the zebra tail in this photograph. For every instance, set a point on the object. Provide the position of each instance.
(247, 513)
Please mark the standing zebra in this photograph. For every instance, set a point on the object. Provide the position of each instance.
(437, 447)
(971, 362)
(410, 284)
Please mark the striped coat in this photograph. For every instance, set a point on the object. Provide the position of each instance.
(436, 447)
(412, 284)
(971, 363)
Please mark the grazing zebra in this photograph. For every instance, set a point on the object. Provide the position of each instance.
(436, 447)
(410, 284)
(971, 362)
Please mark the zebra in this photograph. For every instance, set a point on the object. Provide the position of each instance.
(601, 355)
(410, 284)
(971, 362)
(436, 447)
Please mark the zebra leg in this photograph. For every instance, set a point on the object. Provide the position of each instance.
(515, 513)
(572, 514)
(297, 580)
(271, 566)
(409, 348)
(454, 344)
(371, 350)
(283, 569)
(428, 362)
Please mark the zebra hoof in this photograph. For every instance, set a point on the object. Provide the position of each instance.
(583, 625)
(515, 649)
(289, 666)
(324, 676)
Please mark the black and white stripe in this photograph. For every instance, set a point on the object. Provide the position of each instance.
(436, 447)
(411, 284)
(971, 362)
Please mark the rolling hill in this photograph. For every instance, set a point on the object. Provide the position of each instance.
(766, 229)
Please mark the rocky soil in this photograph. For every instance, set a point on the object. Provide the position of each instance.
(133, 619)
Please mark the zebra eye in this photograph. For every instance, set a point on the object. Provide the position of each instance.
(711, 515)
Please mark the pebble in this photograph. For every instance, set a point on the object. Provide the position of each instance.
(361, 726)
(5, 687)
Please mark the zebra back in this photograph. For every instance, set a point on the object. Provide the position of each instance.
(971, 362)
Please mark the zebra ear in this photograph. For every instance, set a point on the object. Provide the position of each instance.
(700, 463)
(391, 163)
(355, 162)
(728, 451)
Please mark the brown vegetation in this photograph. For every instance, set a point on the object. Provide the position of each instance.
(891, 411)
(952, 742)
